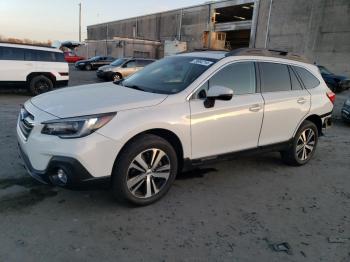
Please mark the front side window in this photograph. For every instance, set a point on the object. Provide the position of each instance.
(240, 77)
(309, 80)
(169, 75)
(118, 62)
(274, 77)
(130, 64)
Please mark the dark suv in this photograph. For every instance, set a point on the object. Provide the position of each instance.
(336, 83)
(94, 62)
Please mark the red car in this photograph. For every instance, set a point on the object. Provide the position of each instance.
(72, 58)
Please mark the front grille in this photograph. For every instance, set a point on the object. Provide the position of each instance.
(25, 122)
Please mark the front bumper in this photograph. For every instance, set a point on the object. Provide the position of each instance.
(345, 84)
(106, 75)
(88, 158)
(75, 171)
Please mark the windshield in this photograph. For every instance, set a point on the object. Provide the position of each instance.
(169, 75)
(118, 62)
(324, 70)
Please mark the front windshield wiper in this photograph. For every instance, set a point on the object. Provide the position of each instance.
(135, 87)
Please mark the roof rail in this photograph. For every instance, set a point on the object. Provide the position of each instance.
(27, 44)
(267, 52)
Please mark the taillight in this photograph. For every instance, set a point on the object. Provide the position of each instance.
(331, 96)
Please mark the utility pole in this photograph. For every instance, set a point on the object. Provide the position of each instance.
(79, 22)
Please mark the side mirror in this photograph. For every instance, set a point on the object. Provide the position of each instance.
(217, 93)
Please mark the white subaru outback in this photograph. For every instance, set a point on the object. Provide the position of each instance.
(177, 112)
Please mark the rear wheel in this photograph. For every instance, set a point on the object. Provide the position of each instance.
(145, 170)
(304, 145)
(40, 84)
(88, 67)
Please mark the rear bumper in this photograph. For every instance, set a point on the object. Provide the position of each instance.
(61, 83)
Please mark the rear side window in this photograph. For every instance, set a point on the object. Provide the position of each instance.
(142, 63)
(274, 77)
(309, 80)
(44, 56)
(296, 85)
(240, 77)
(11, 53)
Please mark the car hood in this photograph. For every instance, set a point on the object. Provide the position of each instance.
(335, 77)
(94, 99)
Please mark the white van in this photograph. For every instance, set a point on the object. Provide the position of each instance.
(38, 68)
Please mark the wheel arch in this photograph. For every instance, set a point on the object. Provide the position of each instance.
(316, 119)
(49, 75)
(166, 134)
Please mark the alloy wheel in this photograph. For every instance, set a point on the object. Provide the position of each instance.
(305, 144)
(148, 173)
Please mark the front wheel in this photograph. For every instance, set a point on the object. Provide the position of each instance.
(304, 145)
(145, 170)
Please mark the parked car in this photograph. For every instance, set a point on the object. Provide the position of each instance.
(335, 82)
(345, 112)
(37, 68)
(122, 68)
(94, 62)
(71, 57)
(178, 112)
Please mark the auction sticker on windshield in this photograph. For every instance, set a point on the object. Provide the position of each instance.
(201, 62)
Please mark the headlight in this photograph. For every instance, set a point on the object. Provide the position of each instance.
(347, 102)
(76, 127)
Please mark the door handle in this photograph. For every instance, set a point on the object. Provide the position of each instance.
(301, 100)
(255, 108)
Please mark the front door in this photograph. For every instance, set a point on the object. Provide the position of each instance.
(228, 126)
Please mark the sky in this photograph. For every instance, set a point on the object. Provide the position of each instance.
(44, 20)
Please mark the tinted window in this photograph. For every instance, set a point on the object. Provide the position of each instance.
(44, 56)
(130, 64)
(142, 63)
(274, 77)
(240, 77)
(295, 82)
(309, 80)
(11, 53)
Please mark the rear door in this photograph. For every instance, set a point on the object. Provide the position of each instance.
(229, 125)
(13, 68)
(286, 102)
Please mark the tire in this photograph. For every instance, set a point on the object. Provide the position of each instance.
(39, 85)
(88, 67)
(116, 77)
(300, 153)
(134, 184)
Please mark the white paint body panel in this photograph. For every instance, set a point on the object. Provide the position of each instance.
(228, 126)
(18, 70)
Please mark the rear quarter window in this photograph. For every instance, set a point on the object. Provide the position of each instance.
(309, 80)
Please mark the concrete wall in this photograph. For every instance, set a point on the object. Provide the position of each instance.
(117, 50)
(158, 27)
(319, 29)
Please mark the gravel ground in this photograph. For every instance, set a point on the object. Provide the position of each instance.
(231, 211)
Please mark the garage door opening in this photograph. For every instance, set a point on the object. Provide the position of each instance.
(235, 22)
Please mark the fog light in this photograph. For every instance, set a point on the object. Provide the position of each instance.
(62, 176)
